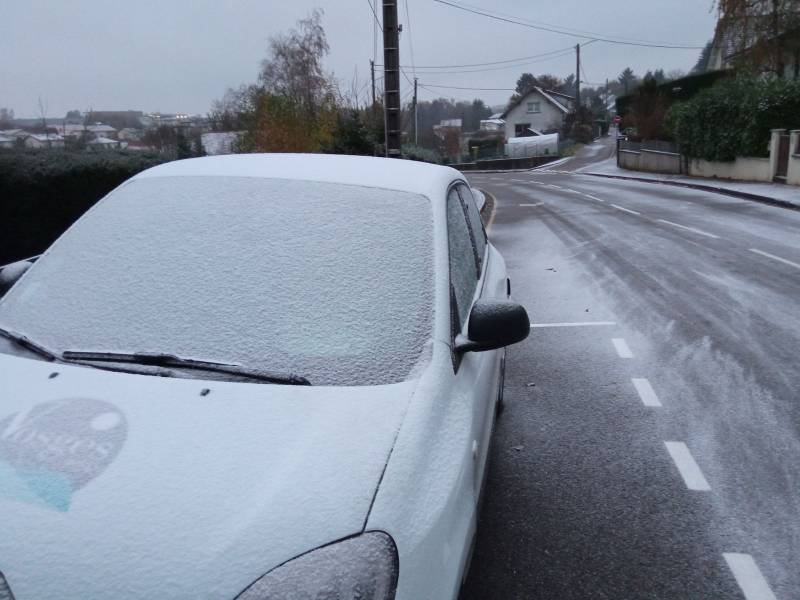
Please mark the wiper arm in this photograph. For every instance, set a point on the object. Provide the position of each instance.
(27, 343)
(170, 360)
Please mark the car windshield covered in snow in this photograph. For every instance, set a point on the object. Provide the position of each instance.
(330, 282)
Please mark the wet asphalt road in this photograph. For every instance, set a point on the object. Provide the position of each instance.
(654, 453)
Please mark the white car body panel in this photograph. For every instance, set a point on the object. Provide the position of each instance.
(428, 497)
(208, 493)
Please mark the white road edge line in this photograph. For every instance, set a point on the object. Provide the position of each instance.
(627, 210)
(622, 348)
(692, 229)
(773, 257)
(578, 324)
(537, 204)
(691, 473)
(748, 576)
(646, 392)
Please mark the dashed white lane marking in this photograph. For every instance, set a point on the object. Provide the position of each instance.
(594, 197)
(748, 576)
(578, 324)
(537, 204)
(773, 257)
(554, 186)
(691, 473)
(646, 392)
(519, 180)
(622, 348)
(627, 210)
(692, 229)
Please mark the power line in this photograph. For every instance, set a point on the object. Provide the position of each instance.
(374, 14)
(552, 54)
(502, 68)
(495, 62)
(410, 42)
(456, 87)
(553, 29)
(408, 79)
(559, 27)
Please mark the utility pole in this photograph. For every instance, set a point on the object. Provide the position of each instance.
(372, 77)
(578, 76)
(415, 111)
(391, 70)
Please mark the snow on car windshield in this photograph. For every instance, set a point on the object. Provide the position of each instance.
(331, 282)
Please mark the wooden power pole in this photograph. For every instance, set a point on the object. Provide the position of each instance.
(391, 70)
(578, 76)
(415, 112)
(372, 77)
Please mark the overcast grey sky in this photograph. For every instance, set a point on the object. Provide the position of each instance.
(179, 55)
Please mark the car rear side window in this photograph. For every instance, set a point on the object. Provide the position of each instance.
(463, 267)
(475, 222)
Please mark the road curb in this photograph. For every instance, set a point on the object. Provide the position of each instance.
(702, 187)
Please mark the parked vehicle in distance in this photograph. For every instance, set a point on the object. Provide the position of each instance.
(253, 377)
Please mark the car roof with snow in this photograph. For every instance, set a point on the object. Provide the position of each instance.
(392, 174)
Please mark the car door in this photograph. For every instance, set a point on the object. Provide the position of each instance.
(476, 373)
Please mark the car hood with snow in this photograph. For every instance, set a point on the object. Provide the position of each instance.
(201, 487)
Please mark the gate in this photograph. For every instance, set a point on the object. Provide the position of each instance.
(783, 157)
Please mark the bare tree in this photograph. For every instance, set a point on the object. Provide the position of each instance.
(760, 33)
(293, 69)
(43, 117)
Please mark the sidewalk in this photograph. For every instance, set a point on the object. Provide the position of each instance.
(773, 193)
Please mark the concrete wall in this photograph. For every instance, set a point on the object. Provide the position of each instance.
(793, 176)
(505, 163)
(742, 169)
(660, 162)
(629, 159)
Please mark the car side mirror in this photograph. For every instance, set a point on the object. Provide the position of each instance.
(11, 273)
(494, 324)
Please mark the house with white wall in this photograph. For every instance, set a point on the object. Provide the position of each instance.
(536, 112)
(44, 140)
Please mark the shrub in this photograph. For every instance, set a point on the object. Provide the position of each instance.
(411, 152)
(734, 118)
(42, 192)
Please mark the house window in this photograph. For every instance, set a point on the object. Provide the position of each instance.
(534, 107)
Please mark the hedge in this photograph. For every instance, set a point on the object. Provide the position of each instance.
(734, 118)
(42, 192)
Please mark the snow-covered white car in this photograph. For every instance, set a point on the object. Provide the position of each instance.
(254, 377)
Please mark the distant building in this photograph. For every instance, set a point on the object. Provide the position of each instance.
(448, 134)
(492, 125)
(14, 133)
(103, 143)
(73, 130)
(537, 111)
(7, 141)
(44, 140)
(129, 134)
(100, 130)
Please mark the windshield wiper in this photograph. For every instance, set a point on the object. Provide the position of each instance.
(27, 343)
(170, 360)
